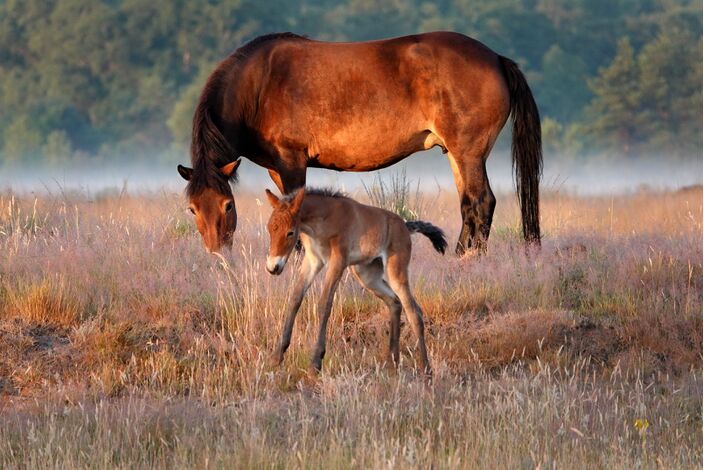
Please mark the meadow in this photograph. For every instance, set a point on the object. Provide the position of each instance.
(124, 345)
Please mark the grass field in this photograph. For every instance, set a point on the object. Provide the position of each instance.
(124, 345)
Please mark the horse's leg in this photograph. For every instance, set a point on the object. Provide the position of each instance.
(332, 276)
(371, 276)
(477, 201)
(276, 178)
(397, 270)
(292, 178)
(309, 269)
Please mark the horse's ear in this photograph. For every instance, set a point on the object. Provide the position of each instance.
(273, 200)
(229, 169)
(185, 172)
(298, 200)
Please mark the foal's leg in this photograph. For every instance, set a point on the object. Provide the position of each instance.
(309, 269)
(336, 266)
(371, 276)
(397, 269)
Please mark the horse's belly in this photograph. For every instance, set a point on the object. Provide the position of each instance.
(366, 151)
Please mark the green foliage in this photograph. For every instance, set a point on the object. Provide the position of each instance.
(615, 106)
(100, 77)
(651, 99)
(57, 149)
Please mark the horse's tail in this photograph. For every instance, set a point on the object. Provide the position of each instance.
(209, 148)
(526, 148)
(434, 234)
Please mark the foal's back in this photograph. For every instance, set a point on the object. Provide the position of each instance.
(362, 232)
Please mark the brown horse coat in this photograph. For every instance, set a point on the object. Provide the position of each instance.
(338, 232)
(288, 103)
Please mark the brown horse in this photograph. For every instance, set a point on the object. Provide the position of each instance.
(288, 103)
(338, 232)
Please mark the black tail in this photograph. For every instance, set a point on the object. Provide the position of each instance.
(526, 149)
(434, 234)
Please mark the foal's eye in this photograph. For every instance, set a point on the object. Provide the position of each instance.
(289, 234)
(229, 206)
(192, 210)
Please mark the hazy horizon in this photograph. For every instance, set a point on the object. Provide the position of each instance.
(429, 170)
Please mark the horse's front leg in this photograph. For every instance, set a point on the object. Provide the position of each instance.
(332, 277)
(309, 269)
(276, 178)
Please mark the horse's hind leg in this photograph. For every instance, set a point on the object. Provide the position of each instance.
(371, 276)
(477, 201)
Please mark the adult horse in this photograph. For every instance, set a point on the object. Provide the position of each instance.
(287, 103)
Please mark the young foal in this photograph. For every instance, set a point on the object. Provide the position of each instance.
(339, 232)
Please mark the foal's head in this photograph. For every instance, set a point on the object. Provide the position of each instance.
(212, 204)
(283, 229)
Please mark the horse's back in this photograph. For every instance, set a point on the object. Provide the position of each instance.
(383, 95)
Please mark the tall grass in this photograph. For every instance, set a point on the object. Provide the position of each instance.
(123, 344)
(397, 195)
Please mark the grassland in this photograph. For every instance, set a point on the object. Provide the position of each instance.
(124, 345)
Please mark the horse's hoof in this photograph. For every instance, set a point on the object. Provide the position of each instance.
(276, 359)
(314, 370)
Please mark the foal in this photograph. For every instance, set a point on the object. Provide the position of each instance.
(339, 232)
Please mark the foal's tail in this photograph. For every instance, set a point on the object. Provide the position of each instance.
(526, 148)
(434, 234)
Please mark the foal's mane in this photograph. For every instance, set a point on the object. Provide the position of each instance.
(210, 150)
(323, 192)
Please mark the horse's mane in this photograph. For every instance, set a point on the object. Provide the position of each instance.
(253, 45)
(210, 150)
(323, 192)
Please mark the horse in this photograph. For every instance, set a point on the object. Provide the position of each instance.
(339, 232)
(287, 103)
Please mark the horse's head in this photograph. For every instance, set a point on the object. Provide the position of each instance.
(283, 229)
(212, 205)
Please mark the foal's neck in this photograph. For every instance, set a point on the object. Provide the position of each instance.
(313, 212)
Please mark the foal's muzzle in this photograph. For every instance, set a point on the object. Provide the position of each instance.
(275, 264)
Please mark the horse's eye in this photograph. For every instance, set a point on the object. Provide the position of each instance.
(229, 206)
(192, 210)
(289, 234)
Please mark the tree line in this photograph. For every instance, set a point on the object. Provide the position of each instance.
(104, 79)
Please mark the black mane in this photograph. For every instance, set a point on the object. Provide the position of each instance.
(253, 45)
(210, 150)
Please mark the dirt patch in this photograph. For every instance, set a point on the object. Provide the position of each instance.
(597, 342)
(31, 354)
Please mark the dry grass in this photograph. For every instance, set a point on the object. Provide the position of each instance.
(122, 344)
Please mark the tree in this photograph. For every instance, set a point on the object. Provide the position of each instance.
(614, 110)
(562, 90)
(670, 89)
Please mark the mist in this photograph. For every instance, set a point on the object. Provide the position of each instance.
(429, 171)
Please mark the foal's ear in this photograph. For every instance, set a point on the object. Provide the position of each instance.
(185, 172)
(273, 200)
(298, 200)
(229, 169)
